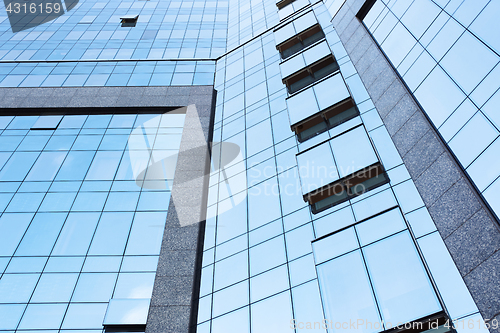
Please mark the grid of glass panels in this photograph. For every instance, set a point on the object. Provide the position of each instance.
(448, 55)
(259, 270)
(112, 73)
(83, 203)
(92, 30)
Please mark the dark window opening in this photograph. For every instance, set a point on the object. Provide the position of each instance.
(129, 20)
(363, 11)
(325, 120)
(283, 3)
(310, 74)
(124, 328)
(346, 188)
(300, 41)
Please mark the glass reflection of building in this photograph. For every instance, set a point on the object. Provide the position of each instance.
(320, 224)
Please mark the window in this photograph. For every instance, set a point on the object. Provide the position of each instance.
(129, 20)
(300, 41)
(323, 121)
(346, 188)
(310, 74)
(283, 3)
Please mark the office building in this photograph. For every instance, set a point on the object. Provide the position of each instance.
(249, 166)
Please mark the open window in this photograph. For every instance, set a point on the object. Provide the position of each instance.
(347, 187)
(300, 41)
(311, 74)
(340, 168)
(325, 120)
(283, 3)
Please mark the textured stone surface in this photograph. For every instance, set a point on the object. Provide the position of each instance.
(410, 133)
(454, 207)
(423, 154)
(107, 97)
(172, 290)
(437, 179)
(475, 241)
(168, 319)
(484, 287)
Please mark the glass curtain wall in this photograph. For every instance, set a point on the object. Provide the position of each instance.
(83, 202)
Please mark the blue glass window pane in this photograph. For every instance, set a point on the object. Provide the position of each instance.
(26, 265)
(104, 165)
(89, 202)
(153, 201)
(76, 234)
(121, 201)
(24, 122)
(18, 166)
(335, 245)
(322, 172)
(57, 202)
(113, 142)
(127, 312)
(404, 294)
(94, 287)
(380, 226)
(261, 288)
(41, 234)
(25, 202)
(60, 142)
(146, 234)
(46, 166)
(226, 323)
(231, 270)
(31, 143)
(43, 316)
(54, 288)
(111, 234)
(134, 285)
(272, 314)
(47, 122)
(17, 288)
(102, 264)
(10, 143)
(75, 165)
(72, 121)
(353, 151)
(10, 314)
(85, 316)
(97, 121)
(267, 255)
(87, 142)
(12, 228)
(462, 61)
(230, 298)
(346, 292)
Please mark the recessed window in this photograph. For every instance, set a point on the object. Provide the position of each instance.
(311, 74)
(283, 3)
(325, 120)
(298, 42)
(129, 20)
(347, 187)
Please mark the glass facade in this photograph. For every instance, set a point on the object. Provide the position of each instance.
(448, 56)
(315, 225)
(83, 212)
(272, 263)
